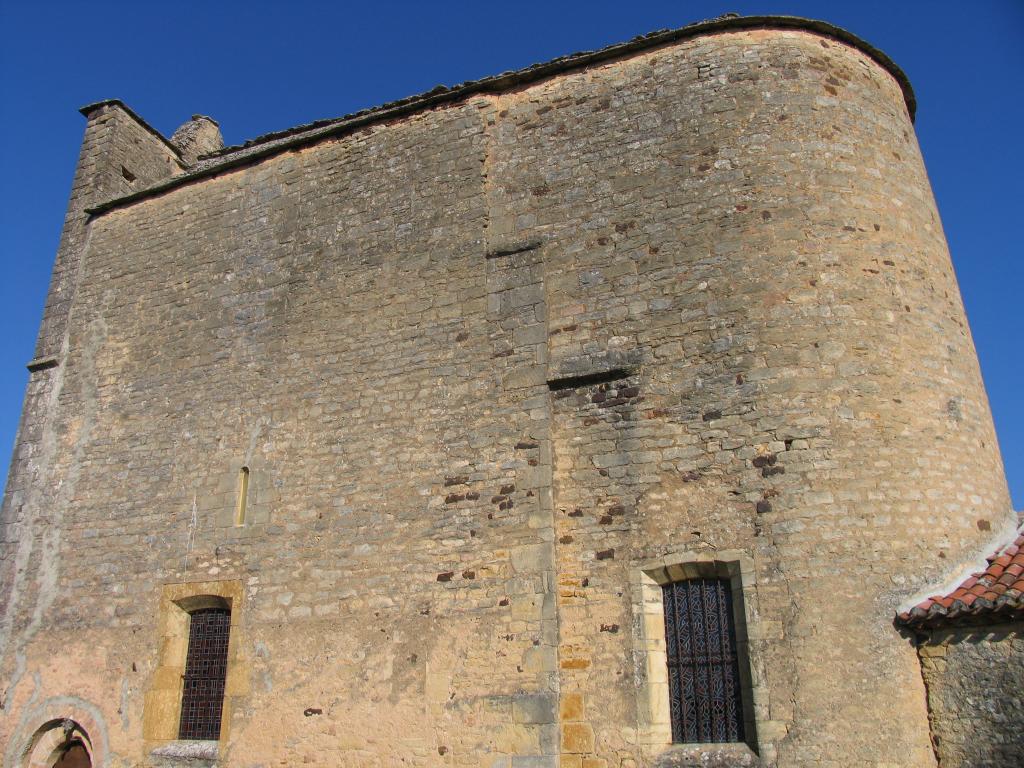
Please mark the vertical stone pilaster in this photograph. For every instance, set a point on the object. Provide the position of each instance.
(517, 317)
(119, 153)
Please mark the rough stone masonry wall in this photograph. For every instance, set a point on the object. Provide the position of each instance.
(118, 155)
(975, 682)
(748, 216)
(323, 319)
(437, 567)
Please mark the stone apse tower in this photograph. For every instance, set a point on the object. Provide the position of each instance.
(601, 414)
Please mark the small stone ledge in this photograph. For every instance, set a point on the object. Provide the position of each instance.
(610, 365)
(587, 379)
(199, 754)
(708, 756)
(512, 249)
(42, 363)
(526, 761)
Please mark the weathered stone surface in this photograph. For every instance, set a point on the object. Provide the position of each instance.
(440, 530)
(199, 136)
(975, 682)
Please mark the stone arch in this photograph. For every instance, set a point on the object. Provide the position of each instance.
(53, 739)
(54, 728)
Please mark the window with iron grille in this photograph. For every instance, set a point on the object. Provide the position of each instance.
(206, 668)
(703, 666)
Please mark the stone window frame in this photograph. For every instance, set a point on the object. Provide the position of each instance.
(162, 705)
(220, 502)
(654, 715)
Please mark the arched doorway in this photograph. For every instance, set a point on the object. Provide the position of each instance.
(59, 743)
(59, 728)
(73, 755)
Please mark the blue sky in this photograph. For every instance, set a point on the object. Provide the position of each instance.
(259, 66)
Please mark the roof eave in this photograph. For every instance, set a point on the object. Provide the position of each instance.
(276, 143)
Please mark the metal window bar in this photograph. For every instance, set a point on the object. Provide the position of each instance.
(206, 669)
(703, 666)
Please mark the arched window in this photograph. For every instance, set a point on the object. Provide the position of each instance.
(200, 679)
(206, 669)
(700, 683)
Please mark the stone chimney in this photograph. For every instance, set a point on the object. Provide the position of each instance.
(199, 136)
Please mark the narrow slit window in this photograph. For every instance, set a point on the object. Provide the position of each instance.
(243, 496)
(703, 666)
(206, 668)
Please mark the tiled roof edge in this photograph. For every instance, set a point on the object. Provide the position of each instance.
(925, 609)
(275, 143)
(961, 616)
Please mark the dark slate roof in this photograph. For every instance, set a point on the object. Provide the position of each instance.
(274, 143)
(993, 595)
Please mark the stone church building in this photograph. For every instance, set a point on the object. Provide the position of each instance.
(620, 411)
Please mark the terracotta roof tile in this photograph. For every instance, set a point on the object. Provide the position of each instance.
(994, 594)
